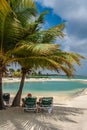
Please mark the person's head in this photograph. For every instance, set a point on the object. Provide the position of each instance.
(29, 95)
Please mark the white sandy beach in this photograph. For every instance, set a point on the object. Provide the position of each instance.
(70, 112)
(41, 79)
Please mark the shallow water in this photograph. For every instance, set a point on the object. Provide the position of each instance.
(46, 86)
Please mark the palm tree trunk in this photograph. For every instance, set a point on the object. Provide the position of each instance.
(1, 94)
(16, 101)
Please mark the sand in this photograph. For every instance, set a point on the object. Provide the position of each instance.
(70, 113)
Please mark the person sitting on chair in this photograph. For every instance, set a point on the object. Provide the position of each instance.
(38, 105)
(23, 99)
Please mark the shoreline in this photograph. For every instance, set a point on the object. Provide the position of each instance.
(41, 79)
(63, 93)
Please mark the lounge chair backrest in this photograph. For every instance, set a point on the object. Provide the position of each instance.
(6, 96)
(30, 101)
(46, 101)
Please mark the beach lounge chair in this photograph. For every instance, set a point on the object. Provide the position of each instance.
(30, 104)
(6, 97)
(46, 103)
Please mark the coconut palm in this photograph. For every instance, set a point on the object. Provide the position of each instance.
(41, 58)
(37, 46)
(38, 50)
(11, 32)
(7, 20)
(46, 56)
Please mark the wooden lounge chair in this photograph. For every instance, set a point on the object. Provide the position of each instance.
(46, 103)
(30, 104)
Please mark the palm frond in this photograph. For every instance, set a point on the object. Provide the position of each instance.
(32, 49)
(51, 34)
(73, 57)
(10, 28)
(46, 36)
(4, 10)
(20, 5)
(40, 19)
(24, 10)
(44, 63)
(26, 16)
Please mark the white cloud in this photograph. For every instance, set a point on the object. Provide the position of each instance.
(66, 8)
(75, 14)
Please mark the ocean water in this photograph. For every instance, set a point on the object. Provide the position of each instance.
(45, 86)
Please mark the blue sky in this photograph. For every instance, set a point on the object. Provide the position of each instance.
(51, 18)
(75, 15)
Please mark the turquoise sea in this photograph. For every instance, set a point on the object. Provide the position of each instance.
(46, 86)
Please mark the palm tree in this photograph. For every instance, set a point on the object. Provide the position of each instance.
(34, 56)
(34, 49)
(11, 32)
(6, 18)
(38, 50)
(46, 56)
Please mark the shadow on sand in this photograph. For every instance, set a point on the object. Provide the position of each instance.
(17, 119)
